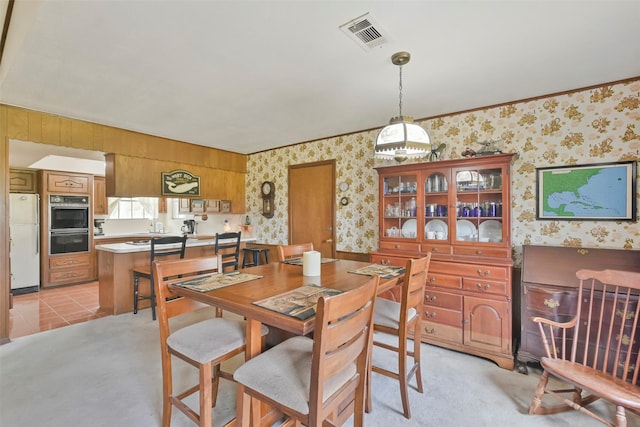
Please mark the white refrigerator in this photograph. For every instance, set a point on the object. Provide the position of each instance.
(24, 229)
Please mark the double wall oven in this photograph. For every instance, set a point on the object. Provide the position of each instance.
(68, 224)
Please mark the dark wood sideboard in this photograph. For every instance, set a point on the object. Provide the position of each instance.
(548, 287)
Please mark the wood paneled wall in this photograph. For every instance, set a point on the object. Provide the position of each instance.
(217, 168)
(129, 176)
(34, 126)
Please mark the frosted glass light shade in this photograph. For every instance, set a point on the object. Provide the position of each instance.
(402, 139)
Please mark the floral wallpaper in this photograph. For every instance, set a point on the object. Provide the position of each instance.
(589, 126)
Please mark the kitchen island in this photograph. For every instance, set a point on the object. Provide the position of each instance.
(117, 260)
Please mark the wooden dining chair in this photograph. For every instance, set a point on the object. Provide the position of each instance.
(286, 252)
(597, 353)
(228, 246)
(314, 379)
(400, 319)
(204, 344)
(160, 247)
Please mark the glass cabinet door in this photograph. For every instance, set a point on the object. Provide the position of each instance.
(436, 203)
(400, 206)
(478, 205)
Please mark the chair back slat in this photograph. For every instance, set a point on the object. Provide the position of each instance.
(604, 334)
(165, 246)
(292, 251)
(168, 305)
(228, 246)
(343, 331)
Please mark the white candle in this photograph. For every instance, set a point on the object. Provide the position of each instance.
(311, 261)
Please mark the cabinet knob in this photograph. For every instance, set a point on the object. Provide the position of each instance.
(478, 252)
(434, 249)
(432, 279)
(478, 285)
(487, 286)
(430, 331)
(397, 246)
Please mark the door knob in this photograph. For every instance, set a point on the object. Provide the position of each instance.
(328, 241)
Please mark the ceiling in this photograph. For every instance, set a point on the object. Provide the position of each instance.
(248, 76)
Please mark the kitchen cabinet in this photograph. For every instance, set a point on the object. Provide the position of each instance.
(453, 209)
(100, 203)
(61, 183)
(549, 287)
(69, 268)
(23, 181)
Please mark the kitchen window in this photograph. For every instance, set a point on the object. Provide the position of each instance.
(133, 207)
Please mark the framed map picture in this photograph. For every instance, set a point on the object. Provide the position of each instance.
(598, 192)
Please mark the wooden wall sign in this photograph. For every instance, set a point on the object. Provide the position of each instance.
(180, 182)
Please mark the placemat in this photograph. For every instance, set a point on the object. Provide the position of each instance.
(300, 302)
(216, 281)
(384, 271)
(298, 261)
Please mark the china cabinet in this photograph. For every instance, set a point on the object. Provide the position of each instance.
(459, 211)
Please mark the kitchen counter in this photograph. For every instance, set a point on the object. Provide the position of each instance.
(122, 248)
(117, 260)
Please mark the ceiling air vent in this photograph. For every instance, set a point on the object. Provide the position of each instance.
(365, 31)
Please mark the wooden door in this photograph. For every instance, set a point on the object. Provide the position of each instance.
(312, 205)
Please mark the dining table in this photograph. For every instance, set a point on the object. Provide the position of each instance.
(278, 278)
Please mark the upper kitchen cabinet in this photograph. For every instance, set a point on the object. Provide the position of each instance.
(100, 203)
(128, 176)
(63, 182)
(23, 181)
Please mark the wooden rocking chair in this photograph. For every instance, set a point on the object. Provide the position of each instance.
(597, 352)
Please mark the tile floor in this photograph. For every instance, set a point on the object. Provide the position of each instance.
(53, 308)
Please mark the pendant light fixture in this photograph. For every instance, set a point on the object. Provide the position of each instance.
(401, 138)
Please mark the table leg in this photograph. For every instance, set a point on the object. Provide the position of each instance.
(247, 410)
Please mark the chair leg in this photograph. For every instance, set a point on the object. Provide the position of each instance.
(243, 412)
(136, 281)
(402, 377)
(416, 357)
(536, 403)
(368, 407)
(214, 385)
(621, 418)
(167, 389)
(206, 418)
(152, 298)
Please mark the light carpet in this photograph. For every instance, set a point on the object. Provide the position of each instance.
(107, 372)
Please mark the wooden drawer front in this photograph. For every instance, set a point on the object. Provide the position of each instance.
(442, 299)
(70, 261)
(70, 276)
(558, 304)
(485, 286)
(489, 272)
(482, 251)
(402, 246)
(439, 331)
(436, 249)
(389, 260)
(442, 315)
(444, 281)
